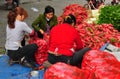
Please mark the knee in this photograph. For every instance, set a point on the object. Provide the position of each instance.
(35, 46)
(87, 48)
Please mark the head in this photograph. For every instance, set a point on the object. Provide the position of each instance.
(70, 19)
(49, 12)
(18, 13)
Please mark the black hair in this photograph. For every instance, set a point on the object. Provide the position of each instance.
(70, 19)
(49, 9)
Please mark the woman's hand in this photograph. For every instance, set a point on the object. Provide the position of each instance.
(26, 36)
(41, 31)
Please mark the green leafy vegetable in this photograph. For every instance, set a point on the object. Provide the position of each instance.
(110, 15)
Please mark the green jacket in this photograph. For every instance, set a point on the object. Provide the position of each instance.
(40, 22)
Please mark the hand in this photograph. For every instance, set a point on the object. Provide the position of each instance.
(41, 31)
(26, 36)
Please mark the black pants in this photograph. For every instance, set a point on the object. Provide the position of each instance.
(74, 60)
(26, 51)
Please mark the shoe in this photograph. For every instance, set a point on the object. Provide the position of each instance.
(26, 63)
(47, 64)
(11, 61)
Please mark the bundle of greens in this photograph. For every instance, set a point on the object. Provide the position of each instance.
(110, 15)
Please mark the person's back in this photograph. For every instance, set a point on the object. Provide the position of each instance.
(15, 36)
(62, 38)
(61, 43)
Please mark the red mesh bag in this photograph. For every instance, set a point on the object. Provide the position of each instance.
(104, 65)
(41, 54)
(65, 71)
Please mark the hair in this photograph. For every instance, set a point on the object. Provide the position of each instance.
(70, 19)
(49, 9)
(13, 14)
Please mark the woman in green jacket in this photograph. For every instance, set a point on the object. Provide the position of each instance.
(45, 21)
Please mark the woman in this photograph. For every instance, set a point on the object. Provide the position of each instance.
(45, 21)
(61, 43)
(15, 32)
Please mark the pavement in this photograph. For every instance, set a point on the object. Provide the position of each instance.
(34, 8)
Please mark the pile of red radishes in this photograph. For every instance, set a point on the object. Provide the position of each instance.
(78, 11)
(95, 36)
(92, 35)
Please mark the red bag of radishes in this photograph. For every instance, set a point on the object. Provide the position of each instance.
(41, 54)
(104, 65)
(65, 71)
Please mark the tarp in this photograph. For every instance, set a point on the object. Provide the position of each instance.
(15, 71)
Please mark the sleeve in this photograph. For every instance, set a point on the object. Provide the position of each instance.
(26, 28)
(35, 23)
(32, 33)
(79, 43)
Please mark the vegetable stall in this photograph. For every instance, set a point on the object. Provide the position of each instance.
(96, 64)
(92, 34)
(95, 31)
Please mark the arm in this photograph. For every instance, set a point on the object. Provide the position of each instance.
(27, 29)
(78, 41)
(35, 24)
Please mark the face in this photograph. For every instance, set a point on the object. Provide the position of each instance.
(49, 15)
(22, 18)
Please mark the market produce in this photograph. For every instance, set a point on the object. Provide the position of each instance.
(41, 54)
(77, 10)
(95, 36)
(96, 64)
(104, 65)
(110, 14)
(65, 71)
(92, 16)
(92, 35)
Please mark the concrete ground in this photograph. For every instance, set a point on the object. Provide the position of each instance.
(34, 7)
